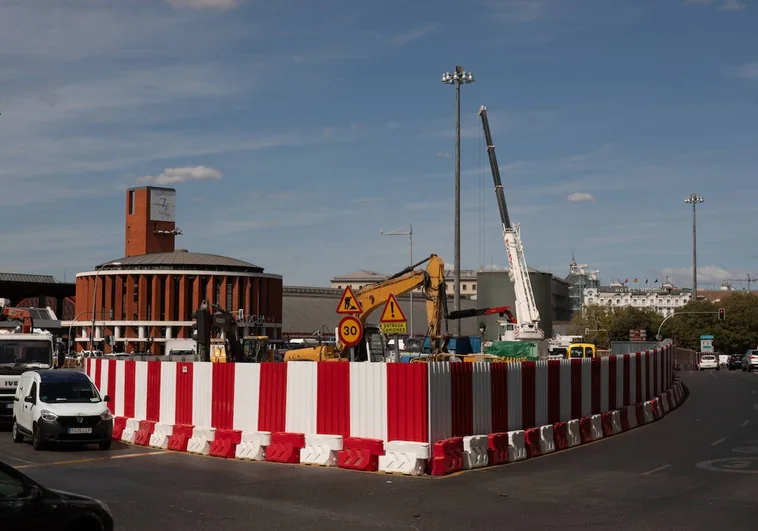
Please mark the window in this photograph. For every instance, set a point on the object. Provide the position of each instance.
(473, 288)
(11, 487)
(465, 287)
(70, 392)
(131, 202)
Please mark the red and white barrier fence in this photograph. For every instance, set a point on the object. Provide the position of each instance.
(397, 418)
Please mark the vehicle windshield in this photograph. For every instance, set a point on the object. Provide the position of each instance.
(83, 391)
(26, 351)
(576, 352)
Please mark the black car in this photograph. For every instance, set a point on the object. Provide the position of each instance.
(25, 505)
(735, 361)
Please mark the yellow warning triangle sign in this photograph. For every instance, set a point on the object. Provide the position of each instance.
(392, 312)
(349, 303)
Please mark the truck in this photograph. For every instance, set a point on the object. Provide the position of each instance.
(21, 349)
(181, 346)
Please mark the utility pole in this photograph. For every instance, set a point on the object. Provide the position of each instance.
(456, 78)
(409, 233)
(694, 199)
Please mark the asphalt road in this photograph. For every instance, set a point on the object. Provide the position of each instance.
(696, 469)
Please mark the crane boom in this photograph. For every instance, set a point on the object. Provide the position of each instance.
(527, 315)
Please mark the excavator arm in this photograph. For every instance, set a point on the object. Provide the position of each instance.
(223, 320)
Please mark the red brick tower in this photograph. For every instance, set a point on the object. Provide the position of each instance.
(150, 220)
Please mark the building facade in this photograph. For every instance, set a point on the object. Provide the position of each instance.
(150, 295)
(580, 278)
(496, 289)
(664, 300)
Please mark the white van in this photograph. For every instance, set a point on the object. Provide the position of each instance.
(60, 406)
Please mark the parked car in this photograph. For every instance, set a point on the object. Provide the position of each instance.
(54, 406)
(27, 505)
(708, 361)
(750, 360)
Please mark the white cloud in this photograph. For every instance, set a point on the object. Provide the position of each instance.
(443, 155)
(518, 11)
(581, 197)
(682, 276)
(180, 175)
(732, 5)
(222, 5)
(401, 39)
(746, 71)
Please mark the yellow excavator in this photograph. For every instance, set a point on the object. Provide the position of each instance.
(372, 346)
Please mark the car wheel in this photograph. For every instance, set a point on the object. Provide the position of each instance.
(105, 445)
(37, 442)
(18, 437)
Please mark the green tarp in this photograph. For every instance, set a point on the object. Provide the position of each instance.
(513, 350)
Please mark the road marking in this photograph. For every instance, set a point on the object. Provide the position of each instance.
(716, 443)
(744, 424)
(15, 458)
(90, 460)
(656, 470)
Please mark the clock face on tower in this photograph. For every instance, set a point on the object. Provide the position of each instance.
(162, 205)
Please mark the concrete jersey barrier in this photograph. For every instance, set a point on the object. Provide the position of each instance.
(394, 417)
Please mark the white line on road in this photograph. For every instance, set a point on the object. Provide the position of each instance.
(744, 424)
(656, 470)
(16, 459)
(716, 443)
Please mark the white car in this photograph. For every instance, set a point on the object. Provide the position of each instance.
(708, 361)
(60, 406)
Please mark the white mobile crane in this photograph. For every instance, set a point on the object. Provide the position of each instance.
(527, 316)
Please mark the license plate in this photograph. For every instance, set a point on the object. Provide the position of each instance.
(73, 431)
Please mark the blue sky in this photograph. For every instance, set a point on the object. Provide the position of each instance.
(316, 123)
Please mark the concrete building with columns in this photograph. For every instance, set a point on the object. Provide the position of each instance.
(150, 294)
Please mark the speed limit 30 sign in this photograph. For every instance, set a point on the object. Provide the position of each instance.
(350, 331)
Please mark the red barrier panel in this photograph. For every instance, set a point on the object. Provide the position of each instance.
(497, 448)
(222, 401)
(112, 386)
(553, 391)
(285, 447)
(98, 373)
(585, 429)
(360, 453)
(612, 373)
(333, 399)
(184, 379)
(181, 435)
(129, 384)
(533, 446)
(153, 398)
(627, 377)
(607, 423)
(640, 414)
(225, 443)
(625, 426)
(119, 424)
(462, 399)
(407, 399)
(272, 405)
(560, 435)
(638, 378)
(595, 385)
(447, 456)
(146, 428)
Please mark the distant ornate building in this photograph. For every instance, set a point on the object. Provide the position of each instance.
(580, 279)
(663, 300)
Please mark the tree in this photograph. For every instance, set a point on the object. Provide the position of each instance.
(593, 323)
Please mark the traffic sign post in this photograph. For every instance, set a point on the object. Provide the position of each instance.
(350, 331)
(393, 322)
(349, 303)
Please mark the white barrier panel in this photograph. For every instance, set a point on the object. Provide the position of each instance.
(631, 416)
(516, 446)
(596, 423)
(647, 410)
(161, 434)
(573, 433)
(475, 451)
(403, 457)
(201, 440)
(616, 422)
(547, 439)
(321, 450)
(253, 445)
(131, 429)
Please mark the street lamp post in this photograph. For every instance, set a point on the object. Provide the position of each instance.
(409, 233)
(458, 77)
(694, 199)
(94, 298)
(70, 328)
